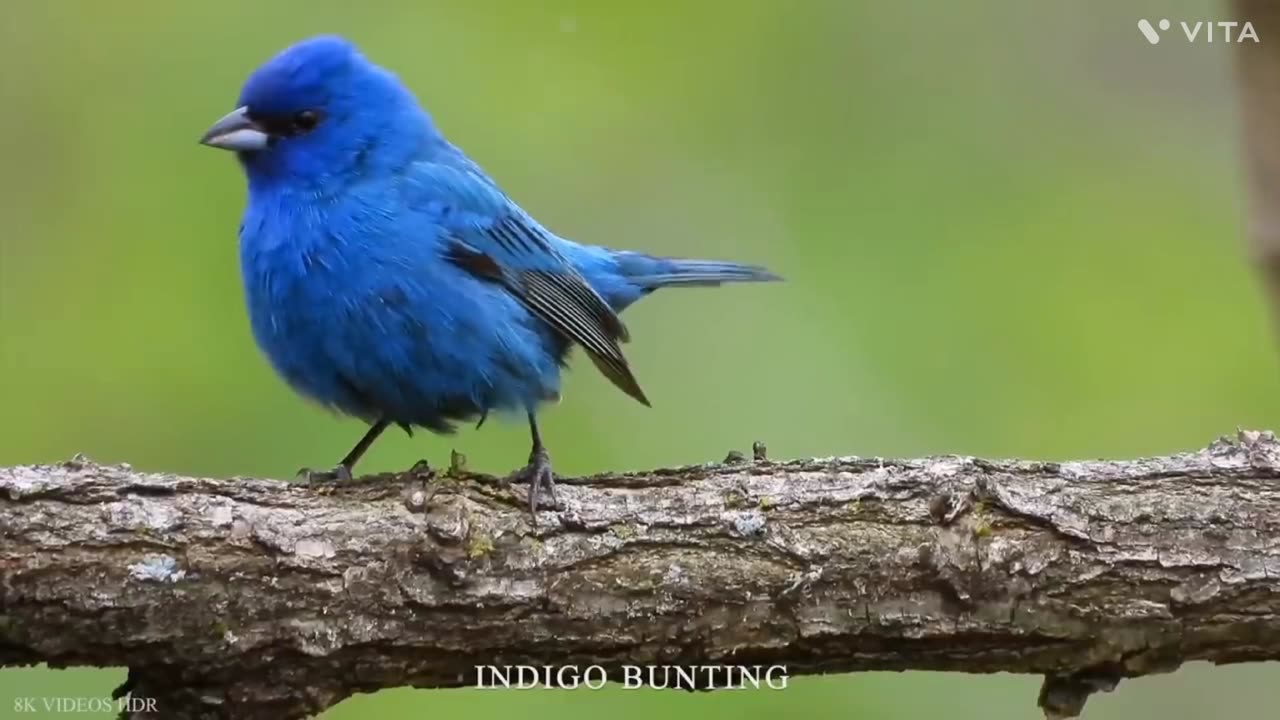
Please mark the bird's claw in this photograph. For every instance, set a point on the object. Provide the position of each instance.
(540, 477)
(338, 474)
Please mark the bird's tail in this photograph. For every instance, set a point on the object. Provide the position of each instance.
(650, 272)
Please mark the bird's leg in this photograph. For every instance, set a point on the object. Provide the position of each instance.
(538, 471)
(342, 473)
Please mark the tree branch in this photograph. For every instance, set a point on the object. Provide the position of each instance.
(262, 599)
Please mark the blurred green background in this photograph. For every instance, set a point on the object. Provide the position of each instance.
(1008, 228)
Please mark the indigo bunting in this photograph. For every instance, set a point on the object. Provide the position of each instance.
(389, 278)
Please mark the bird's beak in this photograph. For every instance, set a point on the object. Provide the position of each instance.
(236, 131)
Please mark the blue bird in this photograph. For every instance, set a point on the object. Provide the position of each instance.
(389, 278)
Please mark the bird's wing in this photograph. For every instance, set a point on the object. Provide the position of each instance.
(492, 238)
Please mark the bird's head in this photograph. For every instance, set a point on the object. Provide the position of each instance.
(319, 112)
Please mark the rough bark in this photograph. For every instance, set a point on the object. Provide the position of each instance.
(252, 599)
(1258, 73)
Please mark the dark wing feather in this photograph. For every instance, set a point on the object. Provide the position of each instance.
(569, 305)
(551, 288)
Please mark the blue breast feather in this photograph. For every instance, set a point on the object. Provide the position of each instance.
(356, 308)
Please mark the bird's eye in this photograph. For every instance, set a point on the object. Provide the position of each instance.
(306, 120)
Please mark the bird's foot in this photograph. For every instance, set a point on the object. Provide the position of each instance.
(339, 474)
(540, 477)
